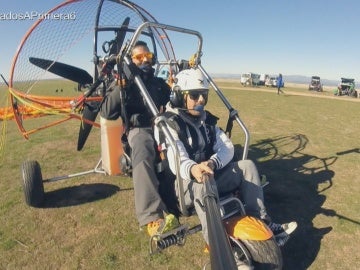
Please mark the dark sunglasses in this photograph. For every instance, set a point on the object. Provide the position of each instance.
(195, 94)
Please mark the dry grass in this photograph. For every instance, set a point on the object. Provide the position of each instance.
(308, 148)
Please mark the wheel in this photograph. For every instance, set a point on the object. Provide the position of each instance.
(261, 255)
(32, 183)
(241, 254)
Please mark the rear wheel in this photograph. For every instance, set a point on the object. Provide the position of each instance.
(32, 183)
(262, 255)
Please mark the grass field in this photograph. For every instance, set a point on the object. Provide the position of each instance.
(307, 146)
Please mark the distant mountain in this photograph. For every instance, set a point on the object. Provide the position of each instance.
(287, 78)
(225, 76)
(307, 79)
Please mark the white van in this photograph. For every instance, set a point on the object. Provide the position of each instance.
(263, 78)
(249, 78)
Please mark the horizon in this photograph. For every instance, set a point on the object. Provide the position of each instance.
(276, 37)
(301, 79)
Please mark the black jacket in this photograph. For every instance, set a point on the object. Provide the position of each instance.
(136, 109)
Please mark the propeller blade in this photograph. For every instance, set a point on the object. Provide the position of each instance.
(85, 128)
(66, 71)
(120, 36)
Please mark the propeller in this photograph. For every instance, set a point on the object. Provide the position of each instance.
(66, 71)
(88, 113)
(72, 73)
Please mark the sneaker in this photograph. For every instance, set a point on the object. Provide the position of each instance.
(207, 249)
(161, 226)
(282, 231)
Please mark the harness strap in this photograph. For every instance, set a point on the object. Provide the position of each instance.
(185, 132)
(230, 123)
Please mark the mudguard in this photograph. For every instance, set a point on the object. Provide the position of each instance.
(247, 228)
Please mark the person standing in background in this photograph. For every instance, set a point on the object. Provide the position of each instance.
(280, 84)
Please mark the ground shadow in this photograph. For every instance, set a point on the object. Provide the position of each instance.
(76, 195)
(294, 192)
(350, 151)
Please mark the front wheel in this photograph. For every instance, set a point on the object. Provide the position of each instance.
(32, 183)
(261, 255)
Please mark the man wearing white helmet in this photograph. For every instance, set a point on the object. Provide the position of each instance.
(205, 149)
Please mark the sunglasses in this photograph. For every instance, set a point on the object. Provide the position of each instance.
(195, 94)
(140, 56)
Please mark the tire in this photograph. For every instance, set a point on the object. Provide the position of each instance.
(32, 183)
(262, 255)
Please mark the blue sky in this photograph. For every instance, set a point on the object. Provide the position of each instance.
(297, 37)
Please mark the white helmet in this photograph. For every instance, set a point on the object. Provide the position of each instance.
(187, 80)
(191, 79)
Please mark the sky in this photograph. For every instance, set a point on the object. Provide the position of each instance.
(297, 37)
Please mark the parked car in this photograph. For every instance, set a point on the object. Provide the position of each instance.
(271, 82)
(315, 84)
(346, 88)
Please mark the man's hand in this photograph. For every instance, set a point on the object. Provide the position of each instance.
(210, 163)
(198, 170)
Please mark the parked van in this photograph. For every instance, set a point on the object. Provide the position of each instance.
(263, 78)
(249, 78)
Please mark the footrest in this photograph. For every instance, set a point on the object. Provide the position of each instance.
(159, 242)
